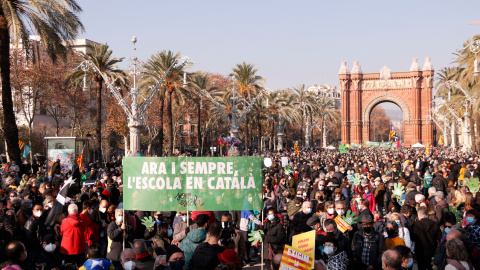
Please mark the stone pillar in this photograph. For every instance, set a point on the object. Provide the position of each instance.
(344, 76)
(134, 140)
(454, 134)
(356, 105)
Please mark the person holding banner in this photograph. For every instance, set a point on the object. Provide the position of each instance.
(119, 233)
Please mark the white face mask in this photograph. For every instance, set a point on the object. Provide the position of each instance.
(130, 265)
(340, 212)
(50, 247)
(330, 211)
(50, 205)
(119, 219)
(37, 214)
(101, 209)
(90, 211)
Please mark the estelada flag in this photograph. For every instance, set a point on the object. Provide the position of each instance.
(80, 160)
(296, 148)
(392, 132)
(20, 144)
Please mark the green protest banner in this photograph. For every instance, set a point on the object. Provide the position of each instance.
(192, 183)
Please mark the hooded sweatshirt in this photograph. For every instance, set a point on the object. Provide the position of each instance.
(190, 243)
(73, 235)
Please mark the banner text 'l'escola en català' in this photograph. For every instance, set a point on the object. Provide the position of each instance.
(192, 183)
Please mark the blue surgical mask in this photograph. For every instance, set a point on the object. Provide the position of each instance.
(470, 220)
(170, 232)
(410, 263)
(270, 217)
(398, 223)
(328, 250)
(447, 230)
(309, 210)
(184, 218)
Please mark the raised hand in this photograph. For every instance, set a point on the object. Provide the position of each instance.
(356, 180)
(148, 222)
(350, 217)
(473, 185)
(255, 237)
(398, 190)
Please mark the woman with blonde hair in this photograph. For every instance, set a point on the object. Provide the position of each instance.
(403, 232)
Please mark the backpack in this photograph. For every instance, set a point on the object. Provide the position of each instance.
(438, 184)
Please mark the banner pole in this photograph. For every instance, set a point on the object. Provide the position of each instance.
(263, 243)
(125, 228)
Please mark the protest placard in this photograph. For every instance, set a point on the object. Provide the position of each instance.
(305, 242)
(295, 259)
(341, 224)
(191, 183)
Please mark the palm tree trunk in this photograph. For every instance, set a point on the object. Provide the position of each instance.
(472, 129)
(259, 127)
(199, 134)
(170, 123)
(10, 128)
(160, 130)
(98, 128)
(301, 132)
(477, 126)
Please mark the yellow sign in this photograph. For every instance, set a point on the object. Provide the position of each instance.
(294, 259)
(305, 242)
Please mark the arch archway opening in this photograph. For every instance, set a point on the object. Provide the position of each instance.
(381, 117)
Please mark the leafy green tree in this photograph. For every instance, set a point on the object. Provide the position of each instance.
(53, 21)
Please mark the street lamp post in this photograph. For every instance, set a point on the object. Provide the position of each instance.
(474, 47)
(136, 111)
(468, 103)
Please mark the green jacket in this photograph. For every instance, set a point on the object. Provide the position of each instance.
(190, 243)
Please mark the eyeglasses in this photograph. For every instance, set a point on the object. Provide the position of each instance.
(328, 245)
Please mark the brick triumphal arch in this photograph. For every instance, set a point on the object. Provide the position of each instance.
(411, 91)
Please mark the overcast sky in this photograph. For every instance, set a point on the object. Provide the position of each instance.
(290, 42)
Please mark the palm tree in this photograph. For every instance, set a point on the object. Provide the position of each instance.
(101, 57)
(197, 84)
(155, 69)
(307, 103)
(249, 84)
(53, 21)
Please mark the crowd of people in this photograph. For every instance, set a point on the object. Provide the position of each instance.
(404, 206)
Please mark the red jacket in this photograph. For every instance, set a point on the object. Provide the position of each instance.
(73, 235)
(91, 230)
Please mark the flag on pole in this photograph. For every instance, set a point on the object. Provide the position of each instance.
(398, 144)
(296, 148)
(20, 144)
(80, 160)
(59, 202)
(427, 150)
(392, 132)
(26, 151)
(441, 140)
